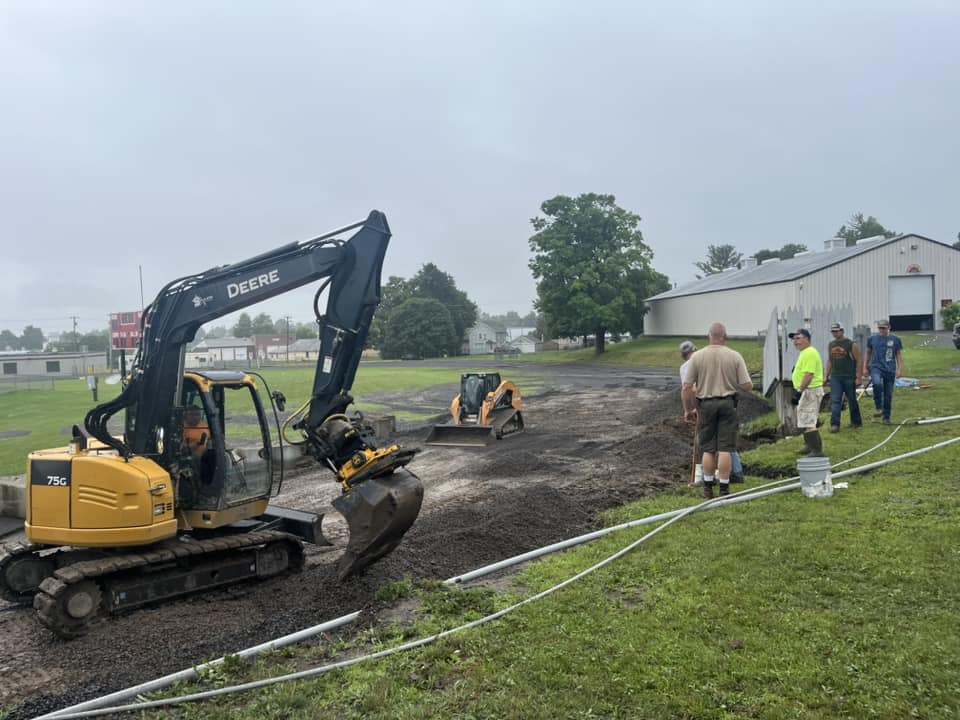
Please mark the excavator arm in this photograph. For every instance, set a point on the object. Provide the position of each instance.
(377, 511)
(352, 269)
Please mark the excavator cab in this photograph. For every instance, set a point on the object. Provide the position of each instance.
(224, 456)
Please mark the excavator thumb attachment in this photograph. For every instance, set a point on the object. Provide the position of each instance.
(378, 511)
(461, 435)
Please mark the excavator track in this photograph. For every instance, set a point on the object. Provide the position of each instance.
(22, 571)
(73, 596)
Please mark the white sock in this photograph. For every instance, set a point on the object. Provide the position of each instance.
(708, 479)
(724, 482)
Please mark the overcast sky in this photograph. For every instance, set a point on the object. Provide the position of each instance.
(176, 136)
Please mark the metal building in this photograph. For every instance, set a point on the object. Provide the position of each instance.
(907, 279)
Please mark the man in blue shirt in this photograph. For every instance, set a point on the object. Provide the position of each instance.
(884, 364)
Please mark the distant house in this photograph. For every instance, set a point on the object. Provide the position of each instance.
(219, 352)
(482, 339)
(516, 332)
(272, 347)
(527, 344)
(304, 349)
(16, 366)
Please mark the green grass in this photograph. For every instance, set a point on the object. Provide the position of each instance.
(784, 607)
(655, 352)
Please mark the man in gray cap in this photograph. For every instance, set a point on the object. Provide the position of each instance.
(842, 373)
(687, 349)
(884, 364)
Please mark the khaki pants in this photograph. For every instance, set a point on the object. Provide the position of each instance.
(809, 407)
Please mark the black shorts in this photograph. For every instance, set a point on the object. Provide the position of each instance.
(719, 424)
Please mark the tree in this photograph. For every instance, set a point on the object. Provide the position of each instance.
(96, 341)
(719, 258)
(784, 253)
(244, 326)
(645, 282)
(589, 261)
(859, 227)
(263, 325)
(306, 331)
(431, 282)
(950, 315)
(9, 341)
(420, 327)
(32, 338)
(393, 293)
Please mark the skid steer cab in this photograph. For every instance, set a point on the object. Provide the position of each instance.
(485, 410)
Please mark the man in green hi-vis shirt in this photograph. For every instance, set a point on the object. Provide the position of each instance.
(808, 380)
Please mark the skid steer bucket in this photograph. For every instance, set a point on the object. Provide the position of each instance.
(378, 511)
(462, 435)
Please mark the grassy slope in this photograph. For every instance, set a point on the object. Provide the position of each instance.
(784, 607)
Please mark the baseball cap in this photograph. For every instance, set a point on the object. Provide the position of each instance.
(836, 326)
(687, 347)
(883, 323)
(802, 331)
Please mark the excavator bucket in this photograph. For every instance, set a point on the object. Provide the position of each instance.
(462, 435)
(378, 511)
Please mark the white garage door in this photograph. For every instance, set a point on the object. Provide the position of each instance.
(911, 295)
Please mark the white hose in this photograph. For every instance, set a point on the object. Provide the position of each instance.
(84, 710)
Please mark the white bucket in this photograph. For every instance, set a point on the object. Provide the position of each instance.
(815, 478)
(698, 475)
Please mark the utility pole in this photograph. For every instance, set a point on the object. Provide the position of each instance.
(76, 338)
(287, 318)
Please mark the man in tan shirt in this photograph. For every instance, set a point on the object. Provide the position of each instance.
(714, 376)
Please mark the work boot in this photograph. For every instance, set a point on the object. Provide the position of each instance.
(724, 489)
(814, 443)
(708, 490)
(878, 413)
(834, 428)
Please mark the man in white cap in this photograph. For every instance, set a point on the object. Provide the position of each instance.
(842, 374)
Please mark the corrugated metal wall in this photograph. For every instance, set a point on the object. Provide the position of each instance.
(861, 282)
(743, 311)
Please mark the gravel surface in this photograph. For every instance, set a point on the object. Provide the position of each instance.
(595, 438)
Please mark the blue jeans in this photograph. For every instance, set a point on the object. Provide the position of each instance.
(883, 384)
(840, 388)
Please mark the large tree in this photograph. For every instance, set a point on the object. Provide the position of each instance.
(784, 253)
(32, 338)
(589, 260)
(719, 258)
(393, 293)
(263, 325)
(431, 282)
(858, 228)
(9, 341)
(420, 327)
(244, 326)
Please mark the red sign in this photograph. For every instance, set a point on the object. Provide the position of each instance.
(125, 330)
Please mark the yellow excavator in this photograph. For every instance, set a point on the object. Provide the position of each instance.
(180, 502)
(485, 410)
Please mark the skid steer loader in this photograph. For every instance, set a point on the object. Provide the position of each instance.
(485, 410)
